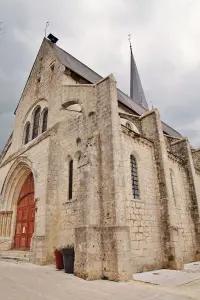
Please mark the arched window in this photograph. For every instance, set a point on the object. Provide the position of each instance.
(44, 121)
(173, 185)
(27, 132)
(70, 179)
(36, 122)
(134, 177)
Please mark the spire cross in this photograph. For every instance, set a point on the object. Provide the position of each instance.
(129, 38)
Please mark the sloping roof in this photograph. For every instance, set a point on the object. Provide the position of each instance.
(78, 67)
(75, 65)
(136, 89)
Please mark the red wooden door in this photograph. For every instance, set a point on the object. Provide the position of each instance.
(25, 215)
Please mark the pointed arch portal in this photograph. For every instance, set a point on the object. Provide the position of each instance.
(25, 215)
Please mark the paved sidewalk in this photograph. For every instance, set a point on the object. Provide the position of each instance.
(170, 278)
(23, 281)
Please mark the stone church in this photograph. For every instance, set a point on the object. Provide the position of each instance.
(89, 166)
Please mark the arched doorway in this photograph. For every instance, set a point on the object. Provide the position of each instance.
(25, 215)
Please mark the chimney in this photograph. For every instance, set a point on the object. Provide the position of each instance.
(52, 38)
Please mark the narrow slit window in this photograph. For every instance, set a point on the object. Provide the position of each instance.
(36, 123)
(134, 178)
(27, 132)
(44, 121)
(70, 178)
(173, 186)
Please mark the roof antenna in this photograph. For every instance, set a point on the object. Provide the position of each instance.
(47, 24)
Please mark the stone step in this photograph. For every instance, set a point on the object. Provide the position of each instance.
(15, 255)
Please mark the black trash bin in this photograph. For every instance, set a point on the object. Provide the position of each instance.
(68, 259)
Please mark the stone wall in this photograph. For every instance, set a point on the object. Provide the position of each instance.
(182, 150)
(166, 213)
(12, 175)
(64, 214)
(91, 137)
(143, 213)
(181, 214)
(43, 88)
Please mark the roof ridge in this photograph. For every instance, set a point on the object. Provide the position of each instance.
(132, 99)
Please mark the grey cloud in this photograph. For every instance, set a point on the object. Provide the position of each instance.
(165, 43)
(177, 99)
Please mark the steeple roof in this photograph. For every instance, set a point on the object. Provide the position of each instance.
(136, 89)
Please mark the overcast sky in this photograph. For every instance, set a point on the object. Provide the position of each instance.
(165, 39)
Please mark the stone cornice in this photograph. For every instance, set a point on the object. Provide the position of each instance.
(174, 158)
(30, 145)
(137, 138)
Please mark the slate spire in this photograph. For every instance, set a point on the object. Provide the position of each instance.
(136, 89)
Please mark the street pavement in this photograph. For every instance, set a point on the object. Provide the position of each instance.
(25, 281)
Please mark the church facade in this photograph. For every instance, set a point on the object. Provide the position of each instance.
(90, 167)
